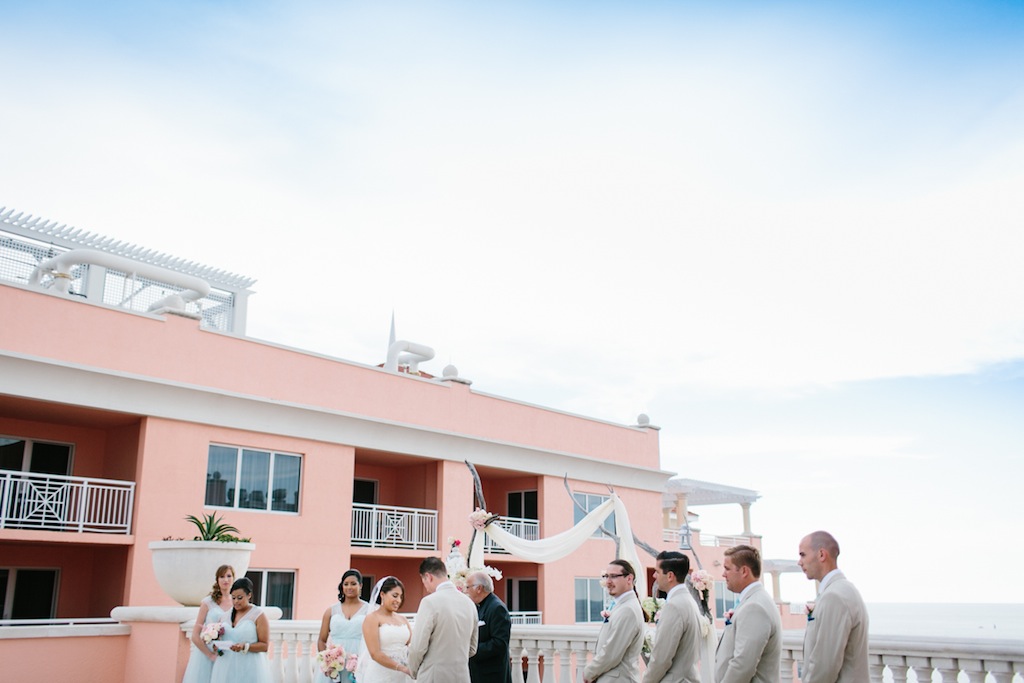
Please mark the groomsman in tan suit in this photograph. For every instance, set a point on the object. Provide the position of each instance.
(676, 650)
(617, 654)
(751, 645)
(444, 635)
(836, 639)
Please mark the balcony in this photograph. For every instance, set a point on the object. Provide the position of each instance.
(528, 529)
(53, 502)
(672, 536)
(379, 526)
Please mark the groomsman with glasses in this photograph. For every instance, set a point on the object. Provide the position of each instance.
(617, 655)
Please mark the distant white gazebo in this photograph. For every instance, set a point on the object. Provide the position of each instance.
(680, 494)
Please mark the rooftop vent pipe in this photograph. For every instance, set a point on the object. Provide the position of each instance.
(413, 355)
(60, 267)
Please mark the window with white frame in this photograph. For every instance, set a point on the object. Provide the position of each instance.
(591, 598)
(725, 599)
(252, 479)
(28, 593)
(589, 501)
(273, 588)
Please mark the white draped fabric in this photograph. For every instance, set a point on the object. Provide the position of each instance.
(708, 645)
(560, 545)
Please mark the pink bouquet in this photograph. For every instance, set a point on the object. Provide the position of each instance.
(333, 661)
(212, 632)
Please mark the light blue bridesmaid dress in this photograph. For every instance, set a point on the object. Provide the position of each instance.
(199, 666)
(241, 667)
(345, 632)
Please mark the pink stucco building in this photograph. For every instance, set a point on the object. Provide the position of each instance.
(117, 421)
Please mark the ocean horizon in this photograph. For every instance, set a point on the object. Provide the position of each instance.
(996, 621)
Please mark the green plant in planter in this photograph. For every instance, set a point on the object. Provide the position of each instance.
(212, 528)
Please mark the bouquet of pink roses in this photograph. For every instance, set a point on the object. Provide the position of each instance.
(333, 661)
(212, 632)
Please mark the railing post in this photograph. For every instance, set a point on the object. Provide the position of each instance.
(532, 661)
(8, 484)
(786, 666)
(876, 668)
(82, 500)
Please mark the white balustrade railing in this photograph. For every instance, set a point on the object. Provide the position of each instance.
(724, 541)
(557, 654)
(528, 529)
(380, 526)
(54, 502)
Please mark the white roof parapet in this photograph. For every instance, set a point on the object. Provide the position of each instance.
(705, 493)
(71, 237)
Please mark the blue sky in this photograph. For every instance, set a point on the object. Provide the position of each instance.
(791, 232)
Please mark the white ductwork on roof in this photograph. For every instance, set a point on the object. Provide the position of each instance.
(403, 352)
(60, 268)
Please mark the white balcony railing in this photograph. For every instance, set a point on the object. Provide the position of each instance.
(528, 529)
(724, 541)
(526, 618)
(54, 502)
(557, 654)
(379, 526)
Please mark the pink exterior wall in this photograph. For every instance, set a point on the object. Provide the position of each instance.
(167, 460)
(176, 349)
(87, 658)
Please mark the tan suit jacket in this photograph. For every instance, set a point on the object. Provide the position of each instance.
(836, 639)
(617, 655)
(676, 652)
(751, 646)
(444, 637)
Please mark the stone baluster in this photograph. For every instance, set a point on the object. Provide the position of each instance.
(291, 673)
(564, 661)
(922, 667)
(897, 667)
(532, 661)
(974, 669)
(948, 669)
(786, 666)
(276, 656)
(1001, 671)
(582, 657)
(876, 668)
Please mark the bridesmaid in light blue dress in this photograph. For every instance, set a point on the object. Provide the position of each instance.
(343, 621)
(247, 629)
(202, 656)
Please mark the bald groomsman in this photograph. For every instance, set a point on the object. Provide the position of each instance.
(751, 645)
(836, 639)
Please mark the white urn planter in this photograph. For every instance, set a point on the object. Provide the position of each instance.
(186, 569)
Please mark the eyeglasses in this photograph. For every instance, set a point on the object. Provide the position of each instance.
(612, 576)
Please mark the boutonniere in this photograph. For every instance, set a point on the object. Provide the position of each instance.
(605, 613)
(728, 616)
(809, 611)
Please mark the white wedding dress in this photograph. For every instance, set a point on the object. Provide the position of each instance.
(394, 642)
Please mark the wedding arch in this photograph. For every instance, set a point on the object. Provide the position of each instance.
(560, 545)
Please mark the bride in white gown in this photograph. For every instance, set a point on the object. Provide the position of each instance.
(386, 634)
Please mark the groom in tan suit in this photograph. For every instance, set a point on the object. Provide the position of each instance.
(751, 645)
(836, 639)
(444, 635)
